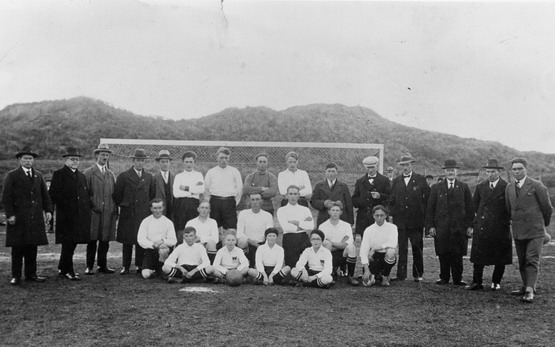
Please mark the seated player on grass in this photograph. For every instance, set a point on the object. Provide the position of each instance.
(156, 235)
(208, 233)
(378, 252)
(339, 240)
(269, 261)
(229, 257)
(251, 224)
(319, 261)
(188, 261)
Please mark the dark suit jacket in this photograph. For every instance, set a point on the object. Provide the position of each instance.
(159, 190)
(322, 192)
(407, 204)
(364, 202)
(27, 200)
(531, 211)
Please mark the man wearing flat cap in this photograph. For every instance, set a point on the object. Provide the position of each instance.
(530, 208)
(28, 206)
(491, 237)
(70, 195)
(163, 182)
(101, 182)
(390, 174)
(132, 193)
(371, 190)
(408, 202)
(449, 218)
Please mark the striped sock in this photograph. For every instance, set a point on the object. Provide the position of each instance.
(203, 273)
(351, 263)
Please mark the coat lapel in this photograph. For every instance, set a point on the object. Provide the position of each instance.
(526, 186)
(24, 179)
(97, 173)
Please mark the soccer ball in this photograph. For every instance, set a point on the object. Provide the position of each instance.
(234, 278)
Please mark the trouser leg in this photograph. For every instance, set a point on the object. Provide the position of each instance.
(520, 247)
(30, 255)
(139, 256)
(17, 261)
(498, 272)
(91, 253)
(126, 254)
(102, 257)
(445, 266)
(478, 273)
(533, 254)
(456, 267)
(416, 237)
(403, 254)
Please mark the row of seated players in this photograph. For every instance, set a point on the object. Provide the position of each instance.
(190, 261)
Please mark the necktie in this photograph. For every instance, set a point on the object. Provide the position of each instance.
(29, 175)
(102, 170)
(491, 186)
(139, 173)
(165, 177)
(517, 187)
(450, 184)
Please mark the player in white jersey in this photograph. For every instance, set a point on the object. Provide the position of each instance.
(319, 261)
(269, 266)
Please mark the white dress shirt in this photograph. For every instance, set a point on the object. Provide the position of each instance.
(188, 255)
(224, 182)
(336, 233)
(206, 231)
(153, 229)
(297, 178)
(227, 260)
(317, 261)
(252, 225)
(269, 256)
(378, 238)
(190, 179)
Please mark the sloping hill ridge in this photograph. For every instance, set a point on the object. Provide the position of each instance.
(82, 121)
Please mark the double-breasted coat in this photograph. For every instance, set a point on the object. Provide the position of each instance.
(132, 194)
(408, 203)
(70, 195)
(364, 202)
(451, 213)
(340, 191)
(491, 239)
(27, 200)
(105, 211)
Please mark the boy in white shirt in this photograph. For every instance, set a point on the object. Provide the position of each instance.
(269, 261)
(228, 258)
(208, 233)
(156, 235)
(319, 260)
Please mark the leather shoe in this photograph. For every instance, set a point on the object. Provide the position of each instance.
(124, 271)
(396, 279)
(474, 286)
(15, 281)
(442, 281)
(495, 286)
(89, 271)
(352, 281)
(106, 270)
(528, 297)
(35, 278)
(72, 276)
(418, 279)
(460, 283)
(520, 291)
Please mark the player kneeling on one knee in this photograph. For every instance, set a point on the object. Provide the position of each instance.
(230, 257)
(156, 235)
(378, 252)
(269, 261)
(188, 261)
(319, 260)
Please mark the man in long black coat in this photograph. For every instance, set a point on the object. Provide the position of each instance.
(133, 191)
(449, 218)
(491, 239)
(25, 200)
(70, 195)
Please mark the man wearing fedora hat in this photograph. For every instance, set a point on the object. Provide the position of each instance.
(491, 237)
(449, 218)
(101, 182)
(163, 182)
(132, 193)
(70, 195)
(530, 208)
(409, 198)
(25, 200)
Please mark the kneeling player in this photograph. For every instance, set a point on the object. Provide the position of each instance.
(228, 258)
(269, 260)
(378, 252)
(339, 240)
(319, 260)
(208, 233)
(156, 235)
(188, 261)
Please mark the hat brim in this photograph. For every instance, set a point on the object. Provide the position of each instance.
(451, 167)
(71, 155)
(406, 161)
(160, 158)
(96, 151)
(20, 154)
(133, 157)
(493, 167)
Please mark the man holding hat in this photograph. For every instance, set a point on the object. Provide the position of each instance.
(25, 199)
(371, 190)
(449, 218)
(101, 181)
(163, 182)
(132, 193)
(70, 195)
(409, 198)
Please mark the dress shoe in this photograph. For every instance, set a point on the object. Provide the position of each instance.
(106, 270)
(124, 271)
(385, 281)
(495, 286)
(15, 281)
(528, 297)
(460, 283)
(442, 281)
(520, 291)
(89, 271)
(72, 276)
(418, 279)
(396, 279)
(474, 286)
(35, 278)
(352, 281)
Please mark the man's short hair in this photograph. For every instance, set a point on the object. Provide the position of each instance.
(265, 155)
(293, 186)
(255, 193)
(380, 207)
(189, 154)
(155, 201)
(429, 177)
(336, 203)
(292, 154)
(271, 231)
(519, 161)
(223, 150)
(331, 166)
(189, 230)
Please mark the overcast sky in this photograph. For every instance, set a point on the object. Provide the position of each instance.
(484, 70)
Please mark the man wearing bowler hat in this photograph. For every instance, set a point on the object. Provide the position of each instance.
(449, 218)
(163, 182)
(25, 200)
(101, 182)
(70, 195)
(408, 202)
(132, 193)
(491, 237)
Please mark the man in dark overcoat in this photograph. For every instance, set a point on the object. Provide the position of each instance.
(407, 204)
(132, 193)
(101, 182)
(25, 199)
(371, 190)
(449, 218)
(329, 191)
(163, 183)
(491, 237)
(70, 195)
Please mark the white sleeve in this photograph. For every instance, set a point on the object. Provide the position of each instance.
(307, 190)
(307, 224)
(172, 258)
(178, 193)
(142, 235)
(365, 247)
(280, 260)
(259, 265)
(392, 238)
(303, 259)
(205, 261)
(328, 268)
(283, 222)
(349, 234)
(218, 262)
(243, 261)
(282, 184)
(241, 225)
(171, 239)
(214, 231)
(197, 189)
(207, 183)
(239, 186)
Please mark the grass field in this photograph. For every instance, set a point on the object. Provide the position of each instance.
(119, 310)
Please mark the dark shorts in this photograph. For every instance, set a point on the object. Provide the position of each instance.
(185, 209)
(151, 260)
(222, 210)
(293, 245)
(277, 277)
(196, 276)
